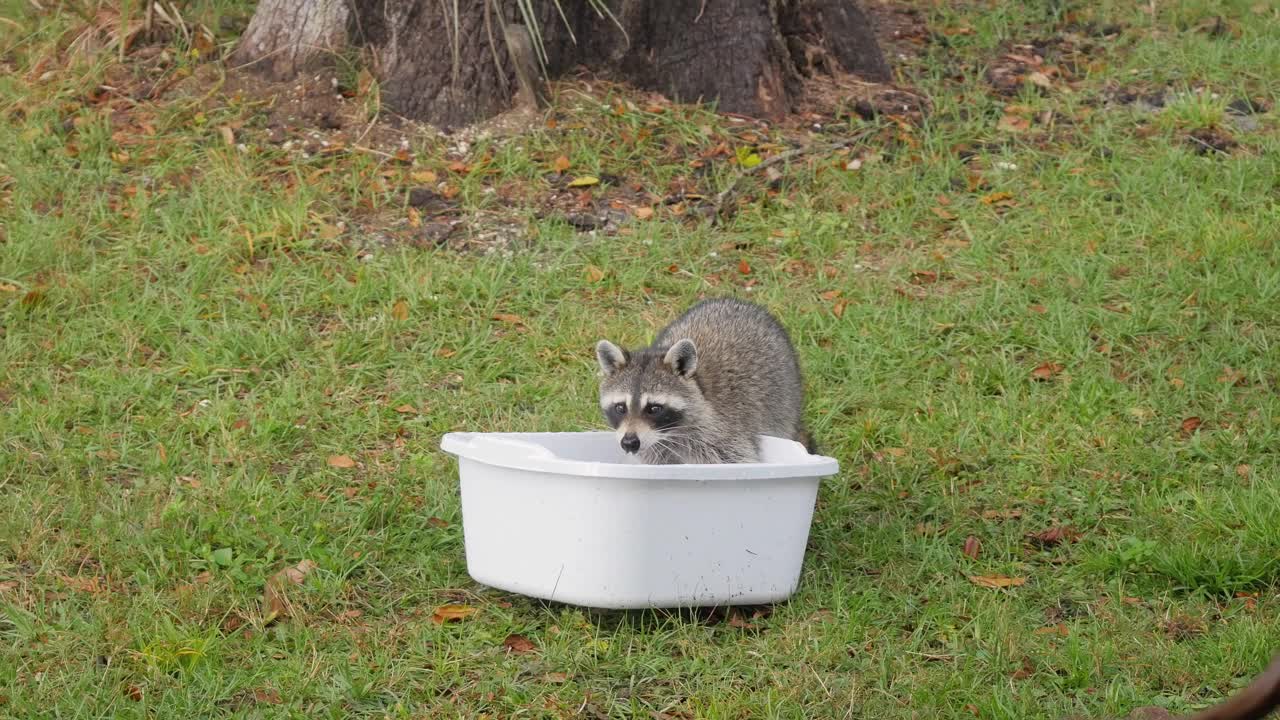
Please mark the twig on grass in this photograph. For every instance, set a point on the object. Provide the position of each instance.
(727, 194)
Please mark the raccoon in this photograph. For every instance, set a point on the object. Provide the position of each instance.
(1257, 700)
(718, 376)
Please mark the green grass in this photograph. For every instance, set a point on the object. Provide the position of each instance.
(184, 343)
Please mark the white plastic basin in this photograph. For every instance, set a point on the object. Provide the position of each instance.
(566, 517)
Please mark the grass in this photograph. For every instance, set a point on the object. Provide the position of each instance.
(188, 334)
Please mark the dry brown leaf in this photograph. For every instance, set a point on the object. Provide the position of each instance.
(594, 274)
(437, 522)
(997, 197)
(555, 678)
(1046, 371)
(426, 177)
(459, 167)
(838, 308)
(1040, 80)
(644, 213)
(1191, 424)
(972, 547)
(275, 594)
(452, 613)
(1054, 536)
(519, 644)
(400, 310)
(561, 164)
(133, 692)
(1231, 376)
(1060, 630)
(406, 409)
(1243, 470)
(508, 318)
(1013, 123)
(228, 136)
(446, 352)
(743, 267)
(6, 287)
(341, 461)
(83, 583)
(943, 213)
(996, 582)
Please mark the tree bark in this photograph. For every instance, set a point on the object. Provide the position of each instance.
(747, 56)
(287, 37)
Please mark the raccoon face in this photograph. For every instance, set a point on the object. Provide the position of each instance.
(648, 397)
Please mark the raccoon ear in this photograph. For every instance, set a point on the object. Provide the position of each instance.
(682, 358)
(611, 357)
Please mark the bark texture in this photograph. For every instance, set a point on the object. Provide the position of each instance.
(287, 37)
(747, 56)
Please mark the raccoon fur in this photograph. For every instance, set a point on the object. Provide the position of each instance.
(718, 376)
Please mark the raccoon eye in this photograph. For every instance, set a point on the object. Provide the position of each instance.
(620, 408)
(653, 408)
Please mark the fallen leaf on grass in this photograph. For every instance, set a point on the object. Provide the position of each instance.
(1243, 470)
(407, 409)
(997, 198)
(594, 274)
(555, 678)
(1054, 536)
(996, 582)
(1013, 123)
(228, 136)
(267, 696)
(584, 181)
(134, 693)
(436, 522)
(519, 644)
(426, 177)
(341, 461)
(508, 318)
(275, 593)
(452, 613)
(743, 267)
(1040, 80)
(1060, 630)
(400, 310)
(1027, 670)
(1231, 376)
(838, 308)
(6, 287)
(942, 213)
(747, 158)
(1046, 371)
(561, 164)
(644, 213)
(1191, 424)
(81, 583)
(972, 546)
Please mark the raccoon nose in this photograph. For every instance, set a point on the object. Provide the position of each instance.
(631, 443)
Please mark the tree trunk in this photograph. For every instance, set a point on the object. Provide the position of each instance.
(747, 56)
(287, 37)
